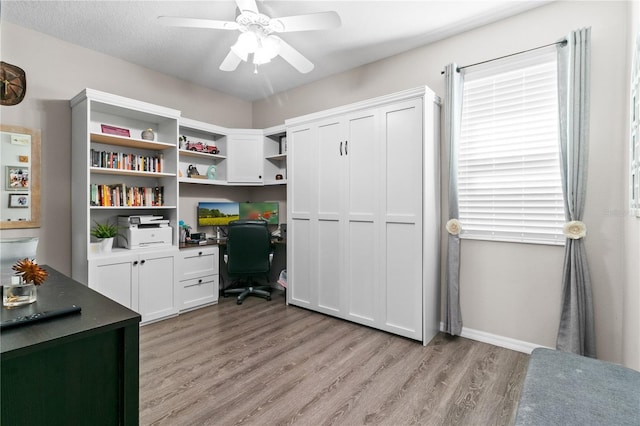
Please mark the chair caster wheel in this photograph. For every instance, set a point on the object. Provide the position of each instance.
(268, 298)
(239, 302)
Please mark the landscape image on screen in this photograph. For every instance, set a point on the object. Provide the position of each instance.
(267, 211)
(217, 213)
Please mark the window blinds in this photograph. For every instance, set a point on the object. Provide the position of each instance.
(508, 166)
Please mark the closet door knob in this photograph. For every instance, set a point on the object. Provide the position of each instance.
(135, 262)
(142, 262)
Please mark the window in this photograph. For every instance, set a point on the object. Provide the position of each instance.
(509, 180)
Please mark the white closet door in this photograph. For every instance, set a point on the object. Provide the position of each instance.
(362, 280)
(402, 239)
(302, 149)
(331, 186)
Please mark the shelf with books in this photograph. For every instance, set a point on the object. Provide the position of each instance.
(121, 172)
(130, 142)
(119, 168)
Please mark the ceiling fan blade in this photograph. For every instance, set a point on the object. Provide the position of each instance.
(175, 21)
(247, 6)
(294, 57)
(231, 62)
(311, 21)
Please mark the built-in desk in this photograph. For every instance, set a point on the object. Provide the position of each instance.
(71, 370)
(279, 259)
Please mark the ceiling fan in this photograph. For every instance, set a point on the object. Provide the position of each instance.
(257, 34)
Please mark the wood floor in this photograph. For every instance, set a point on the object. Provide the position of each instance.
(265, 363)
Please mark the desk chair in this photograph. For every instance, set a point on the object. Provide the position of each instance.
(249, 255)
(12, 250)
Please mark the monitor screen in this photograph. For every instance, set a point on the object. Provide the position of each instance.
(220, 213)
(267, 211)
(217, 213)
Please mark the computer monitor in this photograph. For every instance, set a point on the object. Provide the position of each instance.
(220, 213)
(217, 213)
(267, 211)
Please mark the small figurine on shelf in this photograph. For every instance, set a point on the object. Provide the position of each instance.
(183, 142)
(185, 232)
(148, 135)
(192, 171)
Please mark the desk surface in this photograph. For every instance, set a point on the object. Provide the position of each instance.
(99, 314)
(222, 242)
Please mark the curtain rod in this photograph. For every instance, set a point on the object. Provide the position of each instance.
(561, 42)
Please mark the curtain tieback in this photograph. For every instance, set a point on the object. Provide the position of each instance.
(453, 227)
(574, 229)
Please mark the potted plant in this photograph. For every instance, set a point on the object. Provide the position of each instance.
(105, 233)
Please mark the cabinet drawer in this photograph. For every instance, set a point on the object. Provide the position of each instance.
(198, 262)
(199, 291)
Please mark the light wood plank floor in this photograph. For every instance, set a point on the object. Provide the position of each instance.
(265, 363)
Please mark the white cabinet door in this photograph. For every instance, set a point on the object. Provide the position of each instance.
(301, 206)
(363, 253)
(157, 286)
(401, 231)
(329, 250)
(143, 282)
(117, 278)
(245, 162)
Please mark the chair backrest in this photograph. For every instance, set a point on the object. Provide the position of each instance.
(12, 250)
(248, 247)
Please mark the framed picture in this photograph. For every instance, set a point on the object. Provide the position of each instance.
(19, 200)
(17, 178)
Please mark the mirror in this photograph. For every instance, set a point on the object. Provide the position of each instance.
(19, 177)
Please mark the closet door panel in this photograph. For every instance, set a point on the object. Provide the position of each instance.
(329, 264)
(361, 278)
(403, 307)
(403, 129)
(330, 175)
(301, 190)
(300, 271)
(362, 150)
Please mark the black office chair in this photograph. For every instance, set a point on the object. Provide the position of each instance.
(249, 256)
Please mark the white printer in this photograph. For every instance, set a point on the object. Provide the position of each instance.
(144, 231)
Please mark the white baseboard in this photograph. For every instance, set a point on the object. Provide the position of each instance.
(496, 340)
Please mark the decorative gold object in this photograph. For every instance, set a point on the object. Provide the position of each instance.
(30, 271)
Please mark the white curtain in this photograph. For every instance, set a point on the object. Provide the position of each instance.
(576, 332)
(452, 117)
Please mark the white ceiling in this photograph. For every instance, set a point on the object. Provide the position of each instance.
(371, 30)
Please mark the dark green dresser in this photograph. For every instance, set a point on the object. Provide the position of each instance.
(79, 369)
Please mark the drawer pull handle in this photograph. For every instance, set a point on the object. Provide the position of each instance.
(199, 253)
(200, 281)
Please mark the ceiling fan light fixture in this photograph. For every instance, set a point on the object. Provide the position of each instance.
(247, 43)
(268, 49)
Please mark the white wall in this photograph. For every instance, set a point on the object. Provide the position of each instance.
(513, 290)
(57, 71)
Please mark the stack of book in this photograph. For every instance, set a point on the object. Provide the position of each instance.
(124, 161)
(120, 195)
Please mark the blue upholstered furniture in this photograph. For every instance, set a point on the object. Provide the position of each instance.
(566, 389)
